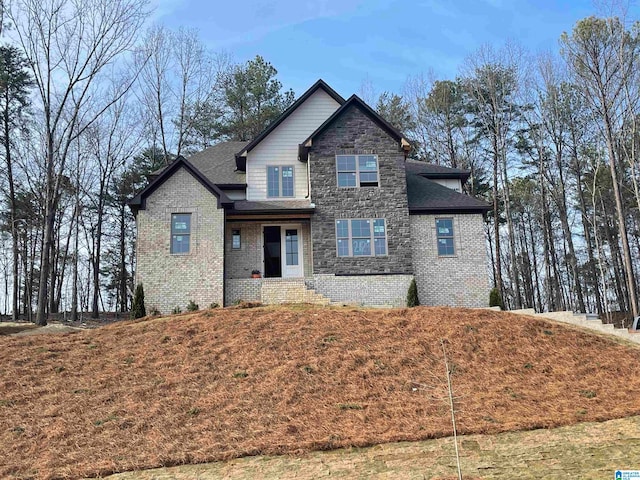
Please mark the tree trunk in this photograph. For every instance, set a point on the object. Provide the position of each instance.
(74, 287)
(622, 227)
(515, 275)
(496, 222)
(12, 210)
(123, 261)
(95, 313)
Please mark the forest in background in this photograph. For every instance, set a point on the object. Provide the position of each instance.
(92, 101)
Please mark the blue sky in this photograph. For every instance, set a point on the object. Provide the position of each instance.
(385, 41)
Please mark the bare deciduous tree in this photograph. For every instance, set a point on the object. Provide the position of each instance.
(68, 43)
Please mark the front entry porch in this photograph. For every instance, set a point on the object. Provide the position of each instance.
(274, 248)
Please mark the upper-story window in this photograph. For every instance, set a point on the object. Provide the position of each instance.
(361, 237)
(444, 233)
(357, 170)
(280, 182)
(180, 232)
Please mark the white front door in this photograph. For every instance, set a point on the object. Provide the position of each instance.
(292, 251)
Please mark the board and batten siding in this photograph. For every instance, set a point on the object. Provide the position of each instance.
(280, 147)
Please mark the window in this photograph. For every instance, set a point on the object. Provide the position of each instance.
(291, 247)
(180, 232)
(280, 182)
(444, 233)
(361, 237)
(357, 170)
(236, 243)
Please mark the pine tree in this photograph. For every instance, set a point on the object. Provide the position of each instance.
(412, 295)
(137, 308)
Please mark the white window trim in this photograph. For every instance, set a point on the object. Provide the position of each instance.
(357, 171)
(372, 237)
(293, 176)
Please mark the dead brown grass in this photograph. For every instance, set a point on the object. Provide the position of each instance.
(228, 383)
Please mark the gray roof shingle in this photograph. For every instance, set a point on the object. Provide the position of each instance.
(430, 170)
(217, 163)
(427, 196)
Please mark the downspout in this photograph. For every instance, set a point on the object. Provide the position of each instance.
(224, 257)
(308, 178)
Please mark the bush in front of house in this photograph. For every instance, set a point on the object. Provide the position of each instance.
(412, 295)
(192, 306)
(137, 307)
(494, 299)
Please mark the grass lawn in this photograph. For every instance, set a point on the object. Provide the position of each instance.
(230, 383)
(586, 451)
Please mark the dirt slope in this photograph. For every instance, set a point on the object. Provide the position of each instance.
(227, 383)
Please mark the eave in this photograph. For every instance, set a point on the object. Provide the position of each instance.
(354, 100)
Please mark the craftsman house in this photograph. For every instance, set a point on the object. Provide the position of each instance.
(323, 206)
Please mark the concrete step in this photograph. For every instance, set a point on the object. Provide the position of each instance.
(591, 322)
(524, 311)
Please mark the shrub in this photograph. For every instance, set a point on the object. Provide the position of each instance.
(137, 307)
(154, 311)
(412, 295)
(176, 310)
(192, 306)
(494, 299)
(214, 305)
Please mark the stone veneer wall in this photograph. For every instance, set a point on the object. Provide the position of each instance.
(368, 290)
(355, 133)
(241, 262)
(172, 280)
(461, 280)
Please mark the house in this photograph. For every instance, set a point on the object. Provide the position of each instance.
(325, 204)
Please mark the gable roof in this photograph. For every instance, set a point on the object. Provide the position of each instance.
(357, 102)
(139, 201)
(427, 196)
(216, 163)
(320, 84)
(429, 170)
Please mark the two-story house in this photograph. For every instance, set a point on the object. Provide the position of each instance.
(324, 204)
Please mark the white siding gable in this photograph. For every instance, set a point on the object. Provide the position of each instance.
(280, 147)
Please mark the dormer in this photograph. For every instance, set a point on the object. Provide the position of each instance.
(452, 178)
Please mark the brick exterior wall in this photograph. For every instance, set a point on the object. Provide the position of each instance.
(461, 280)
(355, 133)
(369, 290)
(241, 262)
(272, 291)
(247, 289)
(171, 280)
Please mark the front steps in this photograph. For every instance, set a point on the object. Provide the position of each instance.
(289, 290)
(583, 320)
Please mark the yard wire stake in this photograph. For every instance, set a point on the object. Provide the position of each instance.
(453, 413)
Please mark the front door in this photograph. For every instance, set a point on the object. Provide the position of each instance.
(291, 252)
(272, 252)
(283, 251)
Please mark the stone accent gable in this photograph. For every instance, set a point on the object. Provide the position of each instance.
(171, 280)
(355, 133)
